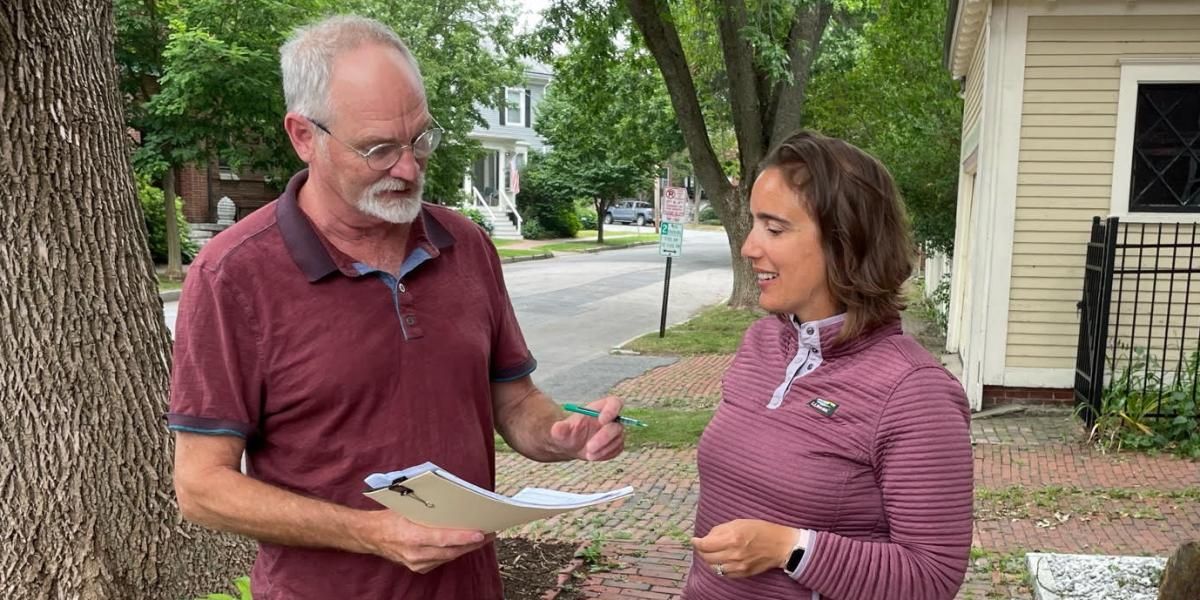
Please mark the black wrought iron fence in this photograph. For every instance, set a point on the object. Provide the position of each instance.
(1139, 330)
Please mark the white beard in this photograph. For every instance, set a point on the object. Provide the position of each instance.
(393, 210)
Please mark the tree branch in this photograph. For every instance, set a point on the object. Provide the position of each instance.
(653, 20)
(745, 100)
(804, 43)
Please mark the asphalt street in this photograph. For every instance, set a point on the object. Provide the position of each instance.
(575, 308)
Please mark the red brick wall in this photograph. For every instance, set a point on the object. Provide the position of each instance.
(201, 188)
(995, 395)
(248, 193)
(193, 188)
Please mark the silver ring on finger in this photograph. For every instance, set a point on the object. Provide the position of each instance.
(720, 569)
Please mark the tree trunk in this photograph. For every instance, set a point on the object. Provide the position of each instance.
(737, 223)
(601, 208)
(174, 260)
(85, 459)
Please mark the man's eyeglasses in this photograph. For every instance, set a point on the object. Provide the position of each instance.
(382, 157)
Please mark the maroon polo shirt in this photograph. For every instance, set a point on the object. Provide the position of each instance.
(331, 372)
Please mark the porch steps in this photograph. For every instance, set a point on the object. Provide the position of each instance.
(503, 229)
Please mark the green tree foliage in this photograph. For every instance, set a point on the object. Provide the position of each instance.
(886, 92)
(546, 200)
(607, 115)
(744, 67)
(154, 213)
(202, 76)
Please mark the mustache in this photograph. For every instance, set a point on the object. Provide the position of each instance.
(391, 185)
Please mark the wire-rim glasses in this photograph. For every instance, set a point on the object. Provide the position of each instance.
(382, 157)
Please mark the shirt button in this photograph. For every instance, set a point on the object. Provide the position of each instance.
(810, 331)
(401, 288)
(410, 320)
(809, 367)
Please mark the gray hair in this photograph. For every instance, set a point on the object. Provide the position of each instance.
(306, 59)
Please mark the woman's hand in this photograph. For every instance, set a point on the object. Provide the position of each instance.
(746, 547)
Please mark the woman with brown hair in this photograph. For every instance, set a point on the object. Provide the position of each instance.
(838, 464)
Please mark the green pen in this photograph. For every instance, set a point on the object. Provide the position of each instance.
(592, 413)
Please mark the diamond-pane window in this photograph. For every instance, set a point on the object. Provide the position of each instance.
(1166, 149)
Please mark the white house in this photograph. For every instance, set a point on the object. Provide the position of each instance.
(507, 140)
(1068, 105)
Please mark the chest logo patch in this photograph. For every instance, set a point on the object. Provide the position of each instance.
(823, 406)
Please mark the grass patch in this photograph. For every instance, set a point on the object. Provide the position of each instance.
(513, 252)
(716, 330)
(166, 285)
(500, 243)
(667, 428)
(590, 244)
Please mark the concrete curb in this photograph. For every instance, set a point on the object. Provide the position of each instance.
(621, 247)
(516, 259)
(620, 348)
(566, 574)
(169, 295)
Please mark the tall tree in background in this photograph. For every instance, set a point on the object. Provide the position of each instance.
(213, 92)
(766, 50)
(889, 97)
(85, 461)
(607, 117)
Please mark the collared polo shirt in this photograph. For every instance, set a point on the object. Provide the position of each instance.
(332, 371)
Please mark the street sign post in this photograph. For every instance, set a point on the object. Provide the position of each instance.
(670, 239)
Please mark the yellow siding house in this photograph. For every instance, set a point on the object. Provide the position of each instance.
(1050, 89)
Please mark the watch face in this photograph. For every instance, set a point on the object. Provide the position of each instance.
(794, 559)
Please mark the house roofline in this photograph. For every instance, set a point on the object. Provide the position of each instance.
(948, 38)
(964, 25)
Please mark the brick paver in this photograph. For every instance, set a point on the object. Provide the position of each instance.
(1039, 488)
(693, 382)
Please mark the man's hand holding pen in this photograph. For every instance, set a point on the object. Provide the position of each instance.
(592, 438)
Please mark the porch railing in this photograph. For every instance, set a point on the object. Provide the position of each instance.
(508, 205)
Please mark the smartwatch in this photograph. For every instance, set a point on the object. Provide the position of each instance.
(797, 555)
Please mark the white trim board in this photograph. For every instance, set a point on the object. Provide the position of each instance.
(1135, 71)
(1037, 378)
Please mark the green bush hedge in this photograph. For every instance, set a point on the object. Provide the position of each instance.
(545, 199)
(708, 216)
(154, 212)
(476, 215)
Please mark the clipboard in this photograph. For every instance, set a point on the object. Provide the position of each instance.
(434, 497)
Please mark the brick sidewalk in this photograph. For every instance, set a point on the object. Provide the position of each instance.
(1028, 468)
(692, 382)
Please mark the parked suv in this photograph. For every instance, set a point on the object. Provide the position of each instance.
(630, 211)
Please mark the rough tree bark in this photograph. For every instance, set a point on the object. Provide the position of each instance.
(763, 112)
(85, 460)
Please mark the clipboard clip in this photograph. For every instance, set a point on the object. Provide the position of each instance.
(408, 493)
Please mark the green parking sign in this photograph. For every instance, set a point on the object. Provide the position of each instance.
(670, 239)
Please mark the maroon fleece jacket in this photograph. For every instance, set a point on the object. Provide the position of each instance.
(865, 442)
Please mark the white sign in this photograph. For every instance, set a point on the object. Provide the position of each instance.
(670, 239)
(674, 205)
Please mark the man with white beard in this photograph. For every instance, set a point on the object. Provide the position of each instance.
(349, 328)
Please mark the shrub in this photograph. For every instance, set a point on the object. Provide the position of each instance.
(560, 223)
(587, 218)
(477, 216)
(1136, 394)
(708, 216)
(545, 198)
(155, 215)
(532, 230)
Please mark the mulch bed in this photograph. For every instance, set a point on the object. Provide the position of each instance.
(530, 568)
